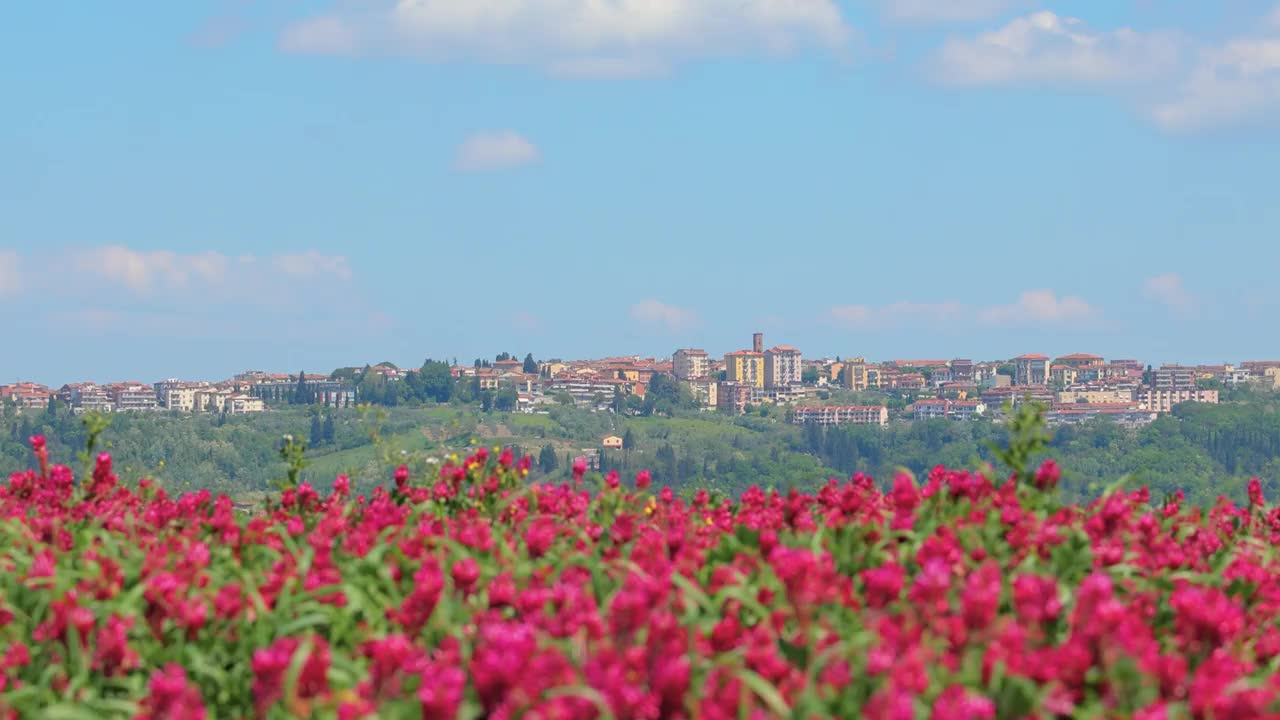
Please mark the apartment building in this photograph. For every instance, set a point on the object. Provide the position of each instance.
(733, 397)
(1163, 401)
(1174, 377)
(705, 390)
(26, 395)
(1130, 414)
(132, 396)
(690, 364)
(841, 415)
(86, 397)
(1076, 360)
(1031, 370)
(962, 370)
(1117, 395)
(243, 403)
(963, 410)
(1016, 395)
(855, 374)
(782, 366)
(745, 367)
(1063, 375)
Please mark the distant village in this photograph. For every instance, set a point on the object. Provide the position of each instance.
(1073, 387)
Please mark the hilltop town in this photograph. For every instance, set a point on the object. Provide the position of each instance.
(1073, 387)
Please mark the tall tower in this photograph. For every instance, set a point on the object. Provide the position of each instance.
(757, 342)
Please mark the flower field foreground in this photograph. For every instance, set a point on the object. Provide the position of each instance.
(479, 594)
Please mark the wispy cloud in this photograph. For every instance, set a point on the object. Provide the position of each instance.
(865, 317)
(10, 272)
(1035, 307)
(323, 35)
(666, 317)
(1235, 82)
(1169, 290)
(1047, 49)
(495, 151)
(1039, 307)
(526, 322)
(602, 36)
(207, 274)
(930, 11)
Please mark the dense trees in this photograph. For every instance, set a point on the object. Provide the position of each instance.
(1202, 449)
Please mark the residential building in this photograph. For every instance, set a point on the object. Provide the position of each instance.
(27, 395)
(966, 410)
(611, 442)
(733, 397)
(841, 415)
(704, 390)
(1031, 370)
(503, 367)
(1163, 401)
(962, 370)
(86, 397)
(1016, 395)
(782, 366)
(963, 410)
(1062, 375)
(1076, 360)
(757, 342)
(1131, 414)
(1084, 395)
(745, 367)
(214, 399)
(243, 404)
(856, 376)
(930, 409)
(690, 364)
(1174, 377)
(132, 396)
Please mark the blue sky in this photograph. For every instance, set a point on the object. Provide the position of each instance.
(196, 188)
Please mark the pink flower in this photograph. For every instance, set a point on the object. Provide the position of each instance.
(465, 574)
(1048, 475)
(643, 479)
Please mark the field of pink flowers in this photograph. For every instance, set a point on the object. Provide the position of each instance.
(477, 593)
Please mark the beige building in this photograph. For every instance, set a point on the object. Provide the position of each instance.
(242, 404)
(1162, 401)
(1067, 397)
(841, 415)
(1031, 370)
(705, 390)
(782, 366)
(690, 364)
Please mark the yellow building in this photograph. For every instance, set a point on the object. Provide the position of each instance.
(745, 367)
(855, 374)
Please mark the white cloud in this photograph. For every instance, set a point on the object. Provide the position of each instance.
(1038, 307)
(205, 277)
(495, 151)
(1168, 290)
(10, 272)
(668, 317)
(1034, 307)
(866, 317)
(142, 271)
(323, 35)
(1044, 48)
(1237, 81)
(602, 34)
(922, 11)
